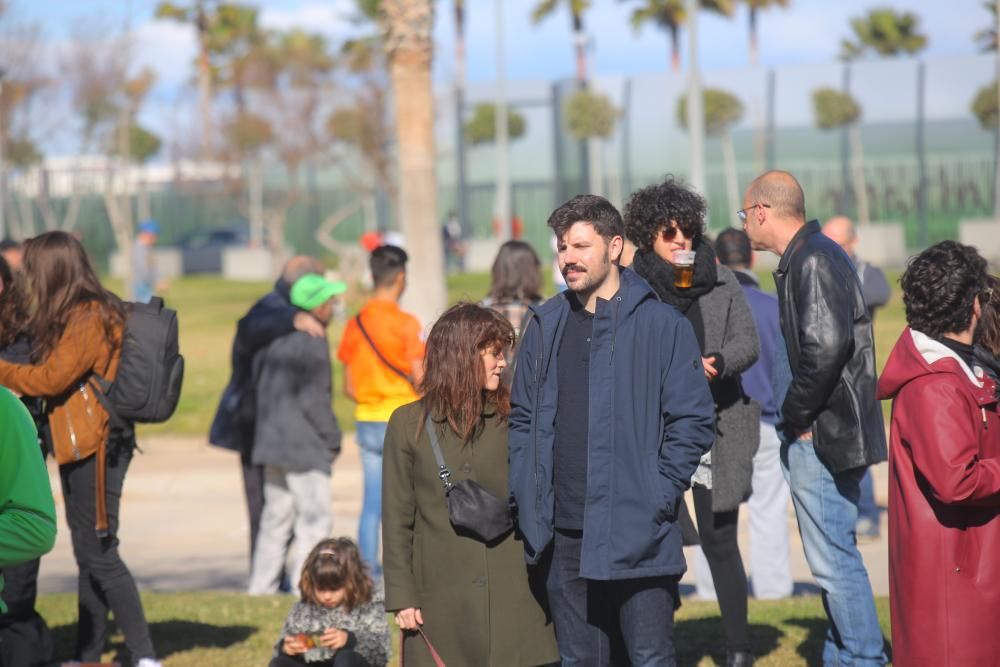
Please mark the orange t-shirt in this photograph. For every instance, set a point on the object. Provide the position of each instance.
(379, 389)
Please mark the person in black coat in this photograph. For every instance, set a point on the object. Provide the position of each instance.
(270, 317)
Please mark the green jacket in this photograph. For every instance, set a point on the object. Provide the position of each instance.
(477, 605)
(27, 511)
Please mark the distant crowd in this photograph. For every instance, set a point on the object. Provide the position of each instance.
(527, 461)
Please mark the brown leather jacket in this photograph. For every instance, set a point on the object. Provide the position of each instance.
(78, 420)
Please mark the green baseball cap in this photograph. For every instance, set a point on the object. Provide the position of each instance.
(313, 290)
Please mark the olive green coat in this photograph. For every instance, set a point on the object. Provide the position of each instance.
(476, 600)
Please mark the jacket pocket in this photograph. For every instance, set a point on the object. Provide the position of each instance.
(839, 423)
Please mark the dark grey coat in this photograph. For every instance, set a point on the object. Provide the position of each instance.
(295, 426)
(730, 331)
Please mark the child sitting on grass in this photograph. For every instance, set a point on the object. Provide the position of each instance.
(340, 619)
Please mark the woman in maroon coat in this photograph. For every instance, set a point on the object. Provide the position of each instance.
(944, 469)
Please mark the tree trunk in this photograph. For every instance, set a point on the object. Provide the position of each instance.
(732, 180)
(204, 83)
(580, 47)
(754, 51)
(413, 99)
(119, 209)
(595, 150)
(675, 49)
(858, 170)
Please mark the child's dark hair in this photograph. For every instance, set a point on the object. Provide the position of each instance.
(332, 565)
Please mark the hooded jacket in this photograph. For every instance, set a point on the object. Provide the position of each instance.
(651, 418)
(944, 506)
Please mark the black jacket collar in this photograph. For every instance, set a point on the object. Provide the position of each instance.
(807, 230)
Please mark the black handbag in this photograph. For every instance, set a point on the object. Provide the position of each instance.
(473, 510)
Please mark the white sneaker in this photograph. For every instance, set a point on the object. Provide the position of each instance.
(149, 662)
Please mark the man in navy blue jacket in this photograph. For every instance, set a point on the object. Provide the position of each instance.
(610, 415)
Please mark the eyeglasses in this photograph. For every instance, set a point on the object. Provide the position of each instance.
(742, 213)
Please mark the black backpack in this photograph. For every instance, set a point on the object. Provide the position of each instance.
(151, 370)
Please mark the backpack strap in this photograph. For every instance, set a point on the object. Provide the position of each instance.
(394, 369)
(101, 388)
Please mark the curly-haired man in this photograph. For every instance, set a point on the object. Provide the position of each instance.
(944, 472)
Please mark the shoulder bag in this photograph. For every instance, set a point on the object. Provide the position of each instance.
(472, 509)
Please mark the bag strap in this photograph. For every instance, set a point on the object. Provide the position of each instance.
(443, 473)
(435, 656)
(357, 319)
(100, 387)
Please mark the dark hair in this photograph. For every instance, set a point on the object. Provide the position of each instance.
(939, 287)
(453, 368)
(336, 564)
(9, 244)
(654, 207)
(592, 209)
(13, 304)
(989, 321)
(61, 278)
(516, 273)
(732, 247)
(385, 262)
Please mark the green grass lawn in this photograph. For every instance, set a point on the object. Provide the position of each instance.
(204, 629)
(209, 307)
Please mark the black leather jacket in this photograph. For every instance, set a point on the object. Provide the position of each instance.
(832, 353)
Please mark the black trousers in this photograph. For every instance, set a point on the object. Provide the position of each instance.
(345, 657)
(105, 583)
(25, 639)
(718, 532)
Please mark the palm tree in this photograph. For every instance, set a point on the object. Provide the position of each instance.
(754, 6)
(196, 16)
(886, 32)
(591, 117)
(669, 15)
(835, 109)
(407, 28)
(722, 111)
(545, 8)
(987, 39)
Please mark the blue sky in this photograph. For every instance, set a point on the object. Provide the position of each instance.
(809, 32)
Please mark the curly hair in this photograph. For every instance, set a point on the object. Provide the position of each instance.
(336, 564)
(939, 287)
(989, 322)
(453, 368)
(13, 304)
(656, 206)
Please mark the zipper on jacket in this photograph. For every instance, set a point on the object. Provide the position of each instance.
(986, 425)
(614, 328)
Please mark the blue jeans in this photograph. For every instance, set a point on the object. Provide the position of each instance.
(589, 615)
(826, 506)
(371, 436)
(867, 507)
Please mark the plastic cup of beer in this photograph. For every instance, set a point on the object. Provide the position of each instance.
(683, 268)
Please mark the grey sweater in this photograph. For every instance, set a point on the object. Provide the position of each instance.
(295, 427)
(730, 332)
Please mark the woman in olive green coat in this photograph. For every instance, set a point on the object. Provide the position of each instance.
(477, 603)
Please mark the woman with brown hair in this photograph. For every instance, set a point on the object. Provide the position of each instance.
(515, 286)
(477, 602)
(75, 329)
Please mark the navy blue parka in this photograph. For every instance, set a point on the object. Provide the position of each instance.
(651, 418)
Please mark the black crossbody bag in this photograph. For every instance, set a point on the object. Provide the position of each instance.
(357, 319)
(472, 509)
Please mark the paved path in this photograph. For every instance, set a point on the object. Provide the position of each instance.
(184, 523)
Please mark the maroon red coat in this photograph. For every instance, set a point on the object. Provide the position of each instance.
(944, 507)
